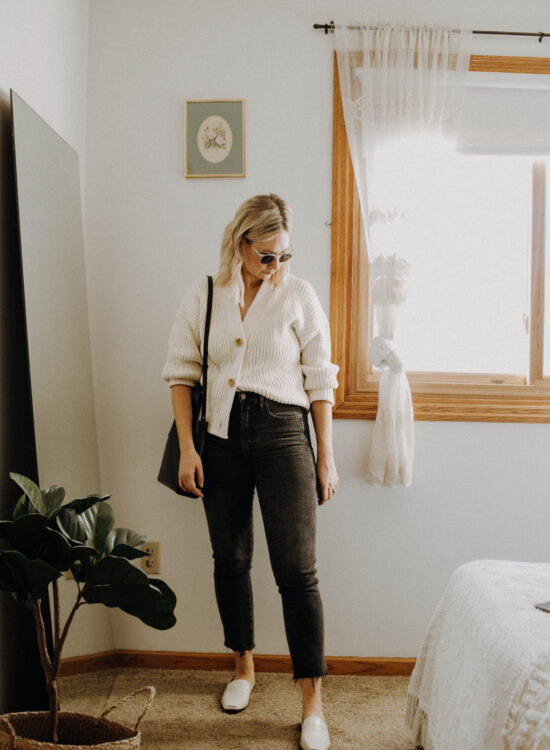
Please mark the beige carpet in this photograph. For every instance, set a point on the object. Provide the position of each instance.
(363, 713)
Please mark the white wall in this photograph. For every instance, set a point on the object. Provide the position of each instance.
(44, 58)
(384, 556)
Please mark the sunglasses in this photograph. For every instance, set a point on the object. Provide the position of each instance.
(266, 258)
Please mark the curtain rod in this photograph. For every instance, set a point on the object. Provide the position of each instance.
(329, 27)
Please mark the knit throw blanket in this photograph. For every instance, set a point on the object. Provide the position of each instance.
(482, 677)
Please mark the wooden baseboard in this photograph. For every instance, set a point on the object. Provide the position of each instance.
(350, 665)
(88, 663)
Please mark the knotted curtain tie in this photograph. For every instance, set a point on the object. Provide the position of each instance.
(382, 351)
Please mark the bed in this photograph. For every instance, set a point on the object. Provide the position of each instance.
(482, 677)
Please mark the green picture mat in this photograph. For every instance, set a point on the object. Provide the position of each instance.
(197, 112)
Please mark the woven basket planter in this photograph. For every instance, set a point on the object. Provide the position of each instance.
(28, 730)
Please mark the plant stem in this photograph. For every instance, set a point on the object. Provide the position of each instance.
(49, 671)
(56, 614)
(51, 667)
(54, 710)
(59, 646)
(42, 647)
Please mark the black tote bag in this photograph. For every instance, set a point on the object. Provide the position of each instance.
(168, 473)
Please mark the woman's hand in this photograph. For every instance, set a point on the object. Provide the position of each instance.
(327, 478)
(190, 474)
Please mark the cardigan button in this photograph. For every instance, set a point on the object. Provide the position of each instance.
(239, 342)
(231, 382)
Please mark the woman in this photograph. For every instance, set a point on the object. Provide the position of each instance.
(268, 365)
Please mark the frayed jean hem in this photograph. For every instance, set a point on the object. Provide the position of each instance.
(308, 676)
(240, 650)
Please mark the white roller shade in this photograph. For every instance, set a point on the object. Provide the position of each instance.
(506, 113)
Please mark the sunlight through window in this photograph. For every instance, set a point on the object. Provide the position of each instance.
(464, 224)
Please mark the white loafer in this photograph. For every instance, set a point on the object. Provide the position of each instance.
(314, 734)
(236, 696)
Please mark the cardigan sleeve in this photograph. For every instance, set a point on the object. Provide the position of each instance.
(183, 365)
(313, 331)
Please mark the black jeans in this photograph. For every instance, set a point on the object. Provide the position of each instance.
(268, 447)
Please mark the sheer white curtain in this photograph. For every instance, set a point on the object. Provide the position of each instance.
(396, 81)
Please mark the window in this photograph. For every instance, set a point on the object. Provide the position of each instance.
(503, 382)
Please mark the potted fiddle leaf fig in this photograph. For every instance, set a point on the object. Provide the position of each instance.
(44, 539)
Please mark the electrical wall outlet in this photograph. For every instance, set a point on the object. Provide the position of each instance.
(151, 563)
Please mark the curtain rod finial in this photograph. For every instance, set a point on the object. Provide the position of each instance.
(326, 26)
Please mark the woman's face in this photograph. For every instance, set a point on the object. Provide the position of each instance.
(253, 269)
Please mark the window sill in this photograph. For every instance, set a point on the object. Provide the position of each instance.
(455, 402)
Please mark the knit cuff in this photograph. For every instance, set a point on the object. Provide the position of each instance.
(182, 381)
(321, 394)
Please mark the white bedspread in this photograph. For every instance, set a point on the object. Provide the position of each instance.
(482, 678)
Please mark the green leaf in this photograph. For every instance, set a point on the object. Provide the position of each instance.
(33, 538)
(69, 524)
(82, 561)
(25, 531)
(115, 582)
(91, 526)
(33, 492)
(130, 553)
(123, 538)
(22, 508)
(117, 570)
(102, 521)
(54, 549)
(81, 552)
(82, 504)
(53, 498)
(24, 577)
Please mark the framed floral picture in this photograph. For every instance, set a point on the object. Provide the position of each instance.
(214, 138)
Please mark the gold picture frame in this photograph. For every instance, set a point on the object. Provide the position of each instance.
(214, 138)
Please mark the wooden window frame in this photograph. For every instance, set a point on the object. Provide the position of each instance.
(436, 396)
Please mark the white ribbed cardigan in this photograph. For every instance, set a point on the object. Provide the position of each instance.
(281, 349)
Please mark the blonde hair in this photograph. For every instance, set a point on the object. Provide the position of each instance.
(259, 218)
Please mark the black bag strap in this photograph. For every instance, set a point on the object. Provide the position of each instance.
(205, 348)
